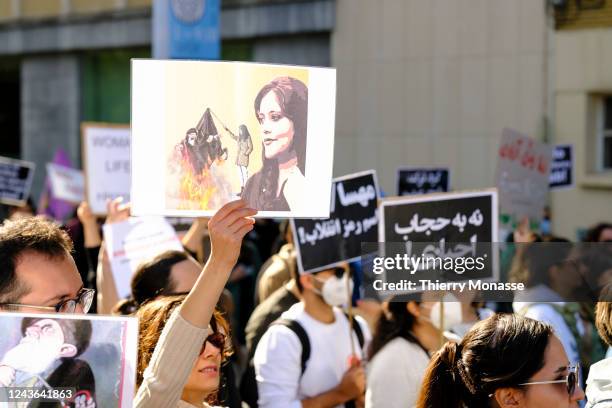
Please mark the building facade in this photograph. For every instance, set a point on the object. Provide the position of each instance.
(419, 83)
(63, 62)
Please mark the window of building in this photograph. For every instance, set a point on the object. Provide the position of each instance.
(604, 135)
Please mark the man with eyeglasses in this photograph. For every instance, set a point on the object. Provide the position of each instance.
(37, 271)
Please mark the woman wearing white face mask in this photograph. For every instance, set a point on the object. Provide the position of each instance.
(406, 334)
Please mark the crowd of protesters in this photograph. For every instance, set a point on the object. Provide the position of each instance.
(230, 322)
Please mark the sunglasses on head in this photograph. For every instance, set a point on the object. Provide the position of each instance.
(570, 381)
(217, 340)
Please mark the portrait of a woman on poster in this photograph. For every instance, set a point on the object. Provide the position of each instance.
(281, 107)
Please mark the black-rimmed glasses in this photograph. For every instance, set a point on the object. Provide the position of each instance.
(84, 298)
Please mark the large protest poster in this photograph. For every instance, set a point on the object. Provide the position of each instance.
(106, 163)
(133, 241)
(77, 360)
(412, 180)
(15, 180)
(322, 244)
(523, 170)
(67, 184)
(562, 167)
(440, 237)
(205, 133)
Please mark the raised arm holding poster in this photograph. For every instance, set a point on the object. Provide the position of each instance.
(323, 244)
(523, 171)
(106, 161)
(204, 133)
(422, 180)
(138, 239)
(15, 180)
(77, 361)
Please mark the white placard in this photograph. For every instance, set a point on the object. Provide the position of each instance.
(94, 367)
(136, 240)
(106, 159)
(66, 184)
(205, 133)
(15, 180)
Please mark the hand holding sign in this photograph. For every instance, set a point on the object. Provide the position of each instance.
(227, 228)
(117, 211)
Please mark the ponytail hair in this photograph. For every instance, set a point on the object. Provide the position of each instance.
(490, 356)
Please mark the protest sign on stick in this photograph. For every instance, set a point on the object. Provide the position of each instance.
(562, 167)
(133, 241)
(523, 171)
(440, 237)
(66, 183)
(205, 133)
(15, 180)
(95, 365)
(324, 243)
(106, 163)
(412, 180)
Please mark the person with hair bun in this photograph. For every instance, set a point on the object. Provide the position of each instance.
(505, 361)
(281, 107)
(171, 272)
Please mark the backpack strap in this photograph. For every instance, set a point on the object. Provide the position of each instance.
(299, 331)
(357, 329)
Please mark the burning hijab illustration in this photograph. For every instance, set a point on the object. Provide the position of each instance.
(194, 160)
(281, 107)
(202, 145)
(46, 358)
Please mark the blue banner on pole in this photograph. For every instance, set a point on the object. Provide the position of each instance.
(186, 29)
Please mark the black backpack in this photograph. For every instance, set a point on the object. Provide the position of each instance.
(248, 385)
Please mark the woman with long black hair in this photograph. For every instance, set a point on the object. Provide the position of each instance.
(406, 334)
(505, 361)
(281, 107)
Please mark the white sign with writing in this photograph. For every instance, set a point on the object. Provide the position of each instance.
(106, 157)
(136, 240)
(15, 180)
(66, 184)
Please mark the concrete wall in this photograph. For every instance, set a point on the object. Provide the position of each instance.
(583, 60)
(50, 93)
(432, 83)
